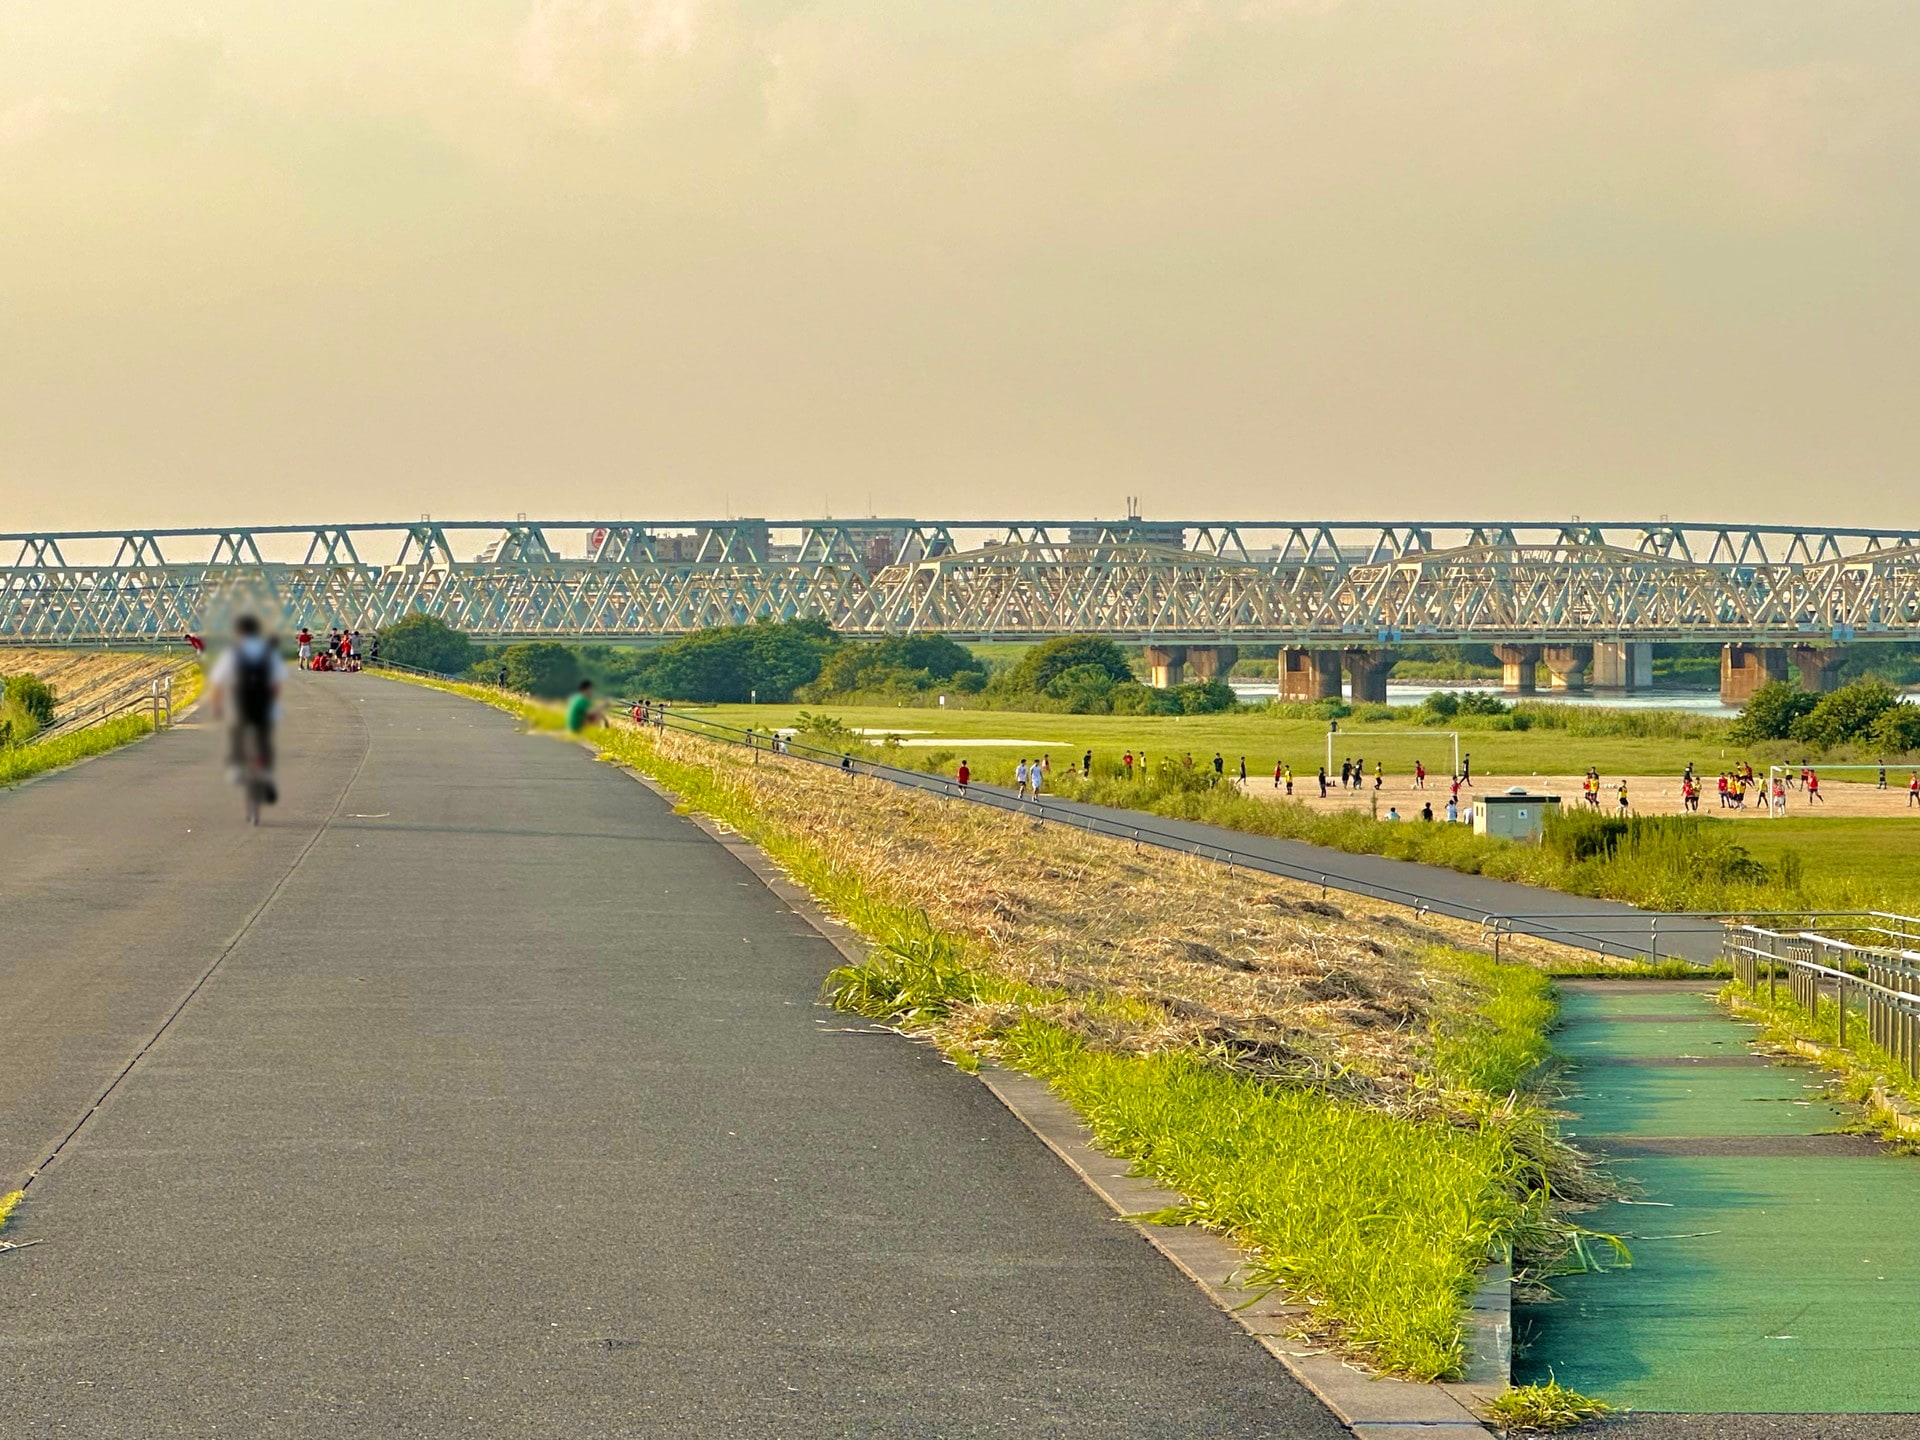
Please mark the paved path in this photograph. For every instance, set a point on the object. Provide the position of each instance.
(510, 1112)
(1776, 1261)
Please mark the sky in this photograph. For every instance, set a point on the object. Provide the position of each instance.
(333, 260)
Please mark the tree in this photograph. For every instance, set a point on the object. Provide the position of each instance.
(544, 668)
(1770, 712)
(427, 642)
(1897, 731)
(1039, 666)
(1848, 713)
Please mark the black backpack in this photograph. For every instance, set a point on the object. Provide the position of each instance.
(253, 687)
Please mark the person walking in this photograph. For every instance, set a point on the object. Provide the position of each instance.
(1243, 772)
(1219, 767)
(1379, 775)
(1624, 806)
(1466, 768)
(1086, 766)
(1323, 782)
(1813, 788)
(1035, 773)
(1020, 778)
(1419, 775)
(962, 775)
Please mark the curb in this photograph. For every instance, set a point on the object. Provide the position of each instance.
(1373, 1407)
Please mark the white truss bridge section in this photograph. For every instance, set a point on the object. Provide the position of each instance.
(1301, 583)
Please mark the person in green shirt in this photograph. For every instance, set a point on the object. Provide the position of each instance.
(580, 711)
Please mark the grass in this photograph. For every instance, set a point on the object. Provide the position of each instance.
(23, 762)
(1265, 739)
(1335, 1092)
(7, 1204)
(1548, 1408)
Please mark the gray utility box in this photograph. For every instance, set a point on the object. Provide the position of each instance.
(1516, 815)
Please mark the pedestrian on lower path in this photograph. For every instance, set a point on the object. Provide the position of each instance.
(1020, 778)
(962, 775)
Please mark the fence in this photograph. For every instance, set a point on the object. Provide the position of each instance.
(1871, 963)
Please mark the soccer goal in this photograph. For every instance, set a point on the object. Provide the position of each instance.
(1785, 781)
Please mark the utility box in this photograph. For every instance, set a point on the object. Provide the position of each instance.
(1515, 815)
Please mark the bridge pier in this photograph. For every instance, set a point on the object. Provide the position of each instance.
(1167, 664)
(1819, 666)
(1623, 665)
(1567, 666)
(1309, 675)
(1517, 667)
(1745, 668)
(1211, 662)
(1368, 670)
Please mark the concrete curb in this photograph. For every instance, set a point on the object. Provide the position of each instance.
(1373, 1407)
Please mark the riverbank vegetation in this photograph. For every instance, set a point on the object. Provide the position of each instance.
(29, 707)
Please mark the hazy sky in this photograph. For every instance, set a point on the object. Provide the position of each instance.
(335, 259)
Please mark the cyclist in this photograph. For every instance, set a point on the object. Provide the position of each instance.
(246, 683)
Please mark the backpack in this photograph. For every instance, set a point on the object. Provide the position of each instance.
(253, 686)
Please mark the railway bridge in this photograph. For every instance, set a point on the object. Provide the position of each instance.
(1583, 602)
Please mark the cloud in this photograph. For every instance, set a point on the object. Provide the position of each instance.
(27, 120)
(584, 53)
(1146, 43)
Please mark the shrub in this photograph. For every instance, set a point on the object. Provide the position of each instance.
(31, 698)
(1770, 713)
(427, 642)
(1898, 729)
(544, 668)
(1849, 713)
(1039, 667)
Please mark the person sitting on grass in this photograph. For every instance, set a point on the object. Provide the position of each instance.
(580, 709)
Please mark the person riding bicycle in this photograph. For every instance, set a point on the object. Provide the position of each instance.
(246, 683)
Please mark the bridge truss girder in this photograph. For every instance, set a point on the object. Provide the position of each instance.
(1303, 584)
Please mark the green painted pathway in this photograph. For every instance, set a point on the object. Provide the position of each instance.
(1776, 1262)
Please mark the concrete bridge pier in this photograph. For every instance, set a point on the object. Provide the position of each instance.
(1567, 666)
(1368, 670)
(1745, 668)
(1211, 662)
(1309, 675)
(1517, 667)
(1167, 664)
(1623, 665)
(1819, 666)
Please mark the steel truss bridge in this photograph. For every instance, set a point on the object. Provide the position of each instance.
(1306, 584)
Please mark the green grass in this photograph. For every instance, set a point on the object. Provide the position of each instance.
(1549, 1408)
(1880, 853)
(23, 762)
(1263, 739)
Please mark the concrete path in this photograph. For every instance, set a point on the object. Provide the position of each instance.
(506, 1110)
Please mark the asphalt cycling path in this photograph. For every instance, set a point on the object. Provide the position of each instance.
(500, 1104)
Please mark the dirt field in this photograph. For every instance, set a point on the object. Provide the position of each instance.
(1648, 794)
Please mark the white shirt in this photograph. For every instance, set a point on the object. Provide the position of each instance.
(225, 675)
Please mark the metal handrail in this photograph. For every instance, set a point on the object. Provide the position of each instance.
(155, 693)
(1889, 988)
